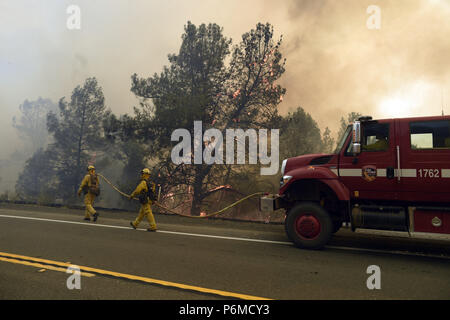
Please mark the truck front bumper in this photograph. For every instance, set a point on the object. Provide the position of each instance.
(271, 202)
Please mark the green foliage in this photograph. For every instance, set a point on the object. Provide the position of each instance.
(130, 150)
(300, 135)
(199, 85)
(37, 178)
(186, 90)
(328, 142)
(251, 93)
(77, 133)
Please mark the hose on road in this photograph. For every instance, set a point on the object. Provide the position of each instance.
(184, 215)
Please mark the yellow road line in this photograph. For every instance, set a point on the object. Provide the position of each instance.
(43, 267)
(137, 278)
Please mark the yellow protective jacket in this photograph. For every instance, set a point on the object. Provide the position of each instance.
(142, 189)
(86, 184)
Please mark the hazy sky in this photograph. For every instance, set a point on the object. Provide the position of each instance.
(335, 64)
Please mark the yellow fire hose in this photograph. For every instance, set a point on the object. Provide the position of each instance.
(184, 215)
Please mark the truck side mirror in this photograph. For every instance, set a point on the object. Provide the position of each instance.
(356, 138)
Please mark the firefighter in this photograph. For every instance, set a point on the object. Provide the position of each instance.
(91, 188)
(146, 193)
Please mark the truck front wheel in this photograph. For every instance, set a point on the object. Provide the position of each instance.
(309, 226)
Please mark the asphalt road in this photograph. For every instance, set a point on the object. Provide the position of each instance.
(204, 259)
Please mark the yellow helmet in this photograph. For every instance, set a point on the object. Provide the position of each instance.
(145, 171)
(89, 168)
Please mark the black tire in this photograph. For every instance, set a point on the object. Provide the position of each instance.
(309, 226)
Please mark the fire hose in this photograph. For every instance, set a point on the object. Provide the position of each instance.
(184, 215)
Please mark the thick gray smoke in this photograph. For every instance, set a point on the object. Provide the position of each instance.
(335, 64)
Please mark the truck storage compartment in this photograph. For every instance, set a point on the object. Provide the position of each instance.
(430, 219)
(383, 218)
(270, 203)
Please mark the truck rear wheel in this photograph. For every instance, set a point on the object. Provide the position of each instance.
(309, 226)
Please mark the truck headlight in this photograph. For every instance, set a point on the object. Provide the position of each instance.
(285, 180)
(283, 167)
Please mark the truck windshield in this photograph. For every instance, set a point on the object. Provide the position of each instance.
(343, 139)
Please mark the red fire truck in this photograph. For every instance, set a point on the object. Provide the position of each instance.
(391, 174)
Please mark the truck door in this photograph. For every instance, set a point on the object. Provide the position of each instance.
(425, 160)
(371, 174)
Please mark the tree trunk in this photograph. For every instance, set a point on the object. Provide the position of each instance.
(78, 171)
(201, 171)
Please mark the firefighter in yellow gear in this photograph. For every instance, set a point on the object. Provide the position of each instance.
(91, 188)
(145, 191)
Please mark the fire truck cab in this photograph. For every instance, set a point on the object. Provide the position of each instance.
(391, 174)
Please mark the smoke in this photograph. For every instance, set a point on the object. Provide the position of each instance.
(335, 64)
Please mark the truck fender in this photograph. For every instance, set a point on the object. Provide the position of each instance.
(322, 174)
(339, 189)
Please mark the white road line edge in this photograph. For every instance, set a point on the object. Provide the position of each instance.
(159, 231)
(405, 253)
